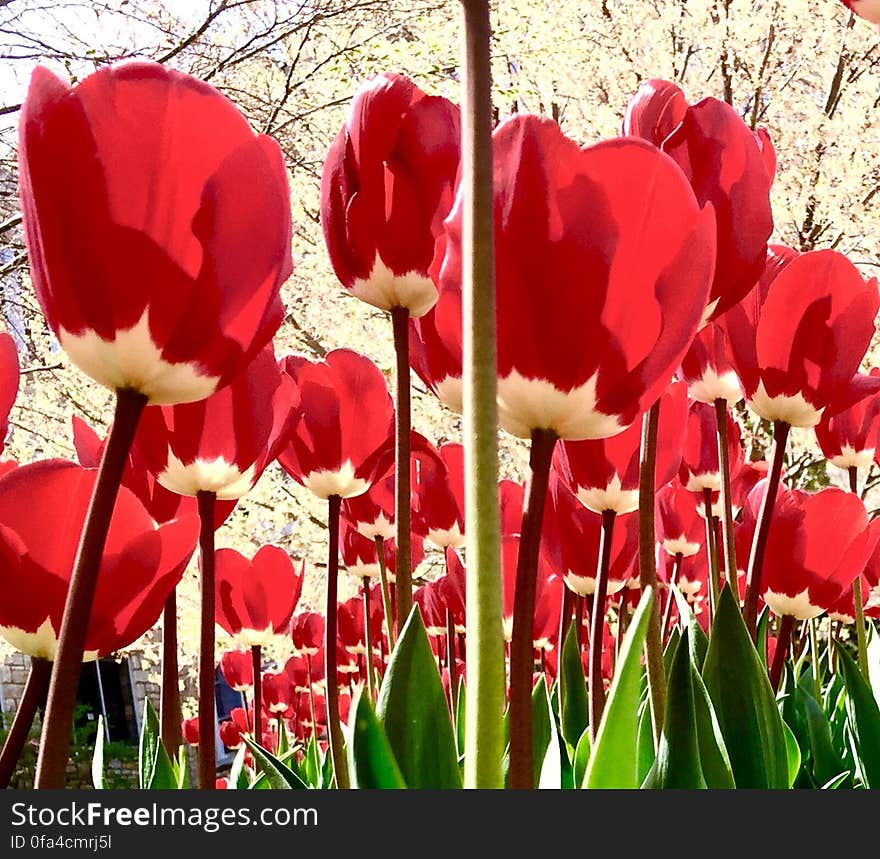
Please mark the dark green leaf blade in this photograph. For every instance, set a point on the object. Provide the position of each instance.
(370, 759)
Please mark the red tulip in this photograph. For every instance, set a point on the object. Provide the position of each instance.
(509, 556)
(372, 514)
(9, 379)
(437, 360)
(604, 473)
(578, 244)
(386, 187)
(161, 503)
(237, 668)
(277, 691)
(439, 490)
(361, 560)
(153, 269)
(307, 633)
(679, 528)
(699, 463)
(452, 589)
(798, 345)
(730, 170)
(571, 538)
(818, 545)
(230, 735)
(511, 497)
(707, 369)
(351, 623)
(190, 729)
(850, 438)
(256, 598)
(224, 443)
(867, 9)
(141, 565)
(340, 444)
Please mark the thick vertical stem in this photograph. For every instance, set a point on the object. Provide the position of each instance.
(597, 624)
(58, 722)
(257, 662)
(726, 498)
(648, 568)
(170, 715)
(368, 642)
(32, 699)
(334, 729)
(312, 709)
(712, 550)
(402, 503)
(673, 580)
(522, 648)
(568, 599)
(484, 730)
(580, 614)
(207, 664)
(762, 531)
(786, 624)
(386, 593)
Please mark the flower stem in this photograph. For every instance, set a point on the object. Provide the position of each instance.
(58, 721)
(368, 642)
(402, 503)
(257, 662)
(759, 542)
(712, 550)
(597, 624)
(170, 714)
(484, 726)
(786, 624)
(522, 648)
(386, 594)
(648, 568)
(673, 580)
(32, 699)
(207, 664)
(726, 498)
(334, 728)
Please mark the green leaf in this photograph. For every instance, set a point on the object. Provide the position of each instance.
(824, 760)
(542, 732)
(370, 759)
(98, 757)
(413, 710)
(575, 709)
(793, 751)
(283, 741)
(699, 642)
(671, 648)
(238, 779)
(155, 770)
(180, 765)
(678, 757)
(744, 702)
(460, 718)
(761, 637)
(864, 718)
(278, 775)
(556, 769)
(874, 659)
(581, 757)
(310, 770)
(713, 753)
(614, 758)
(646, 752)
(836, 782)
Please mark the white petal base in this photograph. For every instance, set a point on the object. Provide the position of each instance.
(341, 482)
(42, 644)
(792, 410)
(798, 606)
(612, 497)
(714, 386)
(132, 360)
(386, 290)
(215, 475)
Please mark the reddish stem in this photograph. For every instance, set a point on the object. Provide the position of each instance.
(32, 699)
(522, 650)
(257, 662)
(58, 721)
(762, 532)
(786, 624)
(207, 663)
(170, 715)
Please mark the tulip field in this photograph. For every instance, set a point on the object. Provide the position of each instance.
(664, 601)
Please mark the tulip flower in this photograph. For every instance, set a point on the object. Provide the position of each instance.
(850, 438)
(728, 167)
(439, 492)
(797, 347)
(140, 565)
(230, 735)
(158, 280)
(237, 670)
(820, 544)
(277, 692)
(386, 188)
(190, 730)
(337, 454)
(707, 369)
(570, 224)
